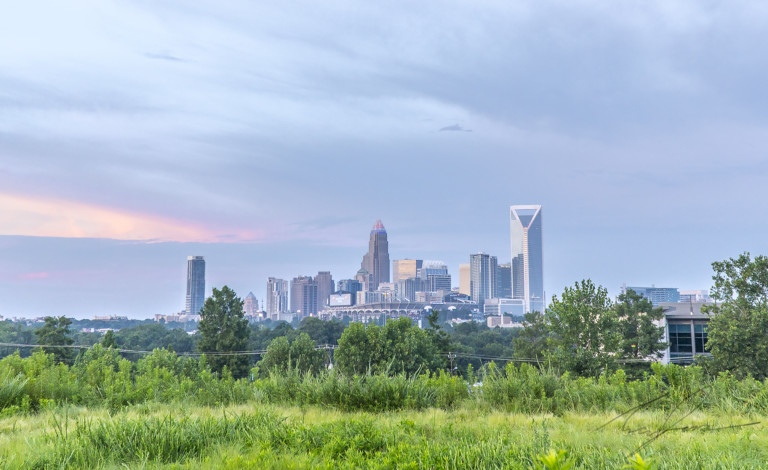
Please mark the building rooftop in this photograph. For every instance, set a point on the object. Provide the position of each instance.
(378, 227)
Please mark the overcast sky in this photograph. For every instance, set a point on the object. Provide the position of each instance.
(269, 137)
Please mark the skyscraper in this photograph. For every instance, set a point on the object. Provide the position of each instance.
(325, 288)
(482, 277)
(504, 281)
(376, 261)
(527, 260)
(436, 275)
(303, 296)
(464, 285)
(277, 296)
(405, 269)
(250, 305)
(195, 285)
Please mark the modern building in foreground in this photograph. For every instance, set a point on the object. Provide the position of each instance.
(195, 285)
(376, 261)
(685, 329)
(527, 257)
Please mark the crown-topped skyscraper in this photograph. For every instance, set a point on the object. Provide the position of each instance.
(376, 261)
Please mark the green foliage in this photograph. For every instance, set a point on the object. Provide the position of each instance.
(399, 346)
(585, 330)
(640, 337)
(532, 341)
(109, 340)
(153, 336)
(738, 328)
(300, 355)
(55, 332)
(554, 461)
(322, 331)
(223, 330)
(637, 463)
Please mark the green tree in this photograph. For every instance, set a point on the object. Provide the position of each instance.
(224, 331)
(532, 341)
(300, 355)
(109, 340)
(738, 328)
(398, 346)
(584, 329)
(55, 332)
(640, 335)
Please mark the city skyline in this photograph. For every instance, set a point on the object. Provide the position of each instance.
(269, 145)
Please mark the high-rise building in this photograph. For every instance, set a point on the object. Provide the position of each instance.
(325, 287)
(504, 281)
(376, 261)
(655, 294)
(277, 296)
(436, 275)
(405, 268)
(349, 286)
(527, 260)
(365, 279)
(251, 305)
(303, 296)
(464, 284)
(195, 285)
(407, 288)
(482, 277)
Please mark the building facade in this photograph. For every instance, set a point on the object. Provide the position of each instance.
(277, 296)
(325, 288)
(504, 281)
(435, 273)
(405, 268)
(527, 256)
(195, 285)
(251, 305)
(464, 285)
(656, 295)
(482, 277)
(376, 261)
(303, 296)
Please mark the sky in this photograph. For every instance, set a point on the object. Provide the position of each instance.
(270, 136)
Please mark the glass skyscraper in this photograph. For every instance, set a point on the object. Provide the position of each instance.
(195, 285)
(527, 259)
(482, 277)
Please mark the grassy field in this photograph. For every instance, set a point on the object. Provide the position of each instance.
(271, 436)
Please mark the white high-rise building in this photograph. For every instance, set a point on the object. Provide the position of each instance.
(277, 296)
(527, 259)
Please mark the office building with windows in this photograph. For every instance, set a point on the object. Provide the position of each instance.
(325, 288)
(527, 258)
(277, 297)
(656, 295)
(405, 268)
(464, 273)
(195, 285)
(504, 281)
(303, 296)
(435, 273)
(482, 277)
(376, 261)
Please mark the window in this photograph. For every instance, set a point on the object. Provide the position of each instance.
(700, 337)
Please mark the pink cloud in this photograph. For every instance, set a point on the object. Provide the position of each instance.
(26, 215)
(34, 276)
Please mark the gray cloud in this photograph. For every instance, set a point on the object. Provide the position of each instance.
(454, 127)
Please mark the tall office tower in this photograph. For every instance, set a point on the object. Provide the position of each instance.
(195, 285)
(251, 305)
(303, 296)
(277, 296)
(527, 260)
(349, 286)
(464, 287)
(376, 261)
(482, 277)
(405, 269)
(436, 275)
(407, 288)
(504, 281)
(325, 288)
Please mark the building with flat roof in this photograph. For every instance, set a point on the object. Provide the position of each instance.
(303, 296)
(405, 268)
(464, 279)
(195, 285)
(482, 277)
(656, 295)
(277, 297)
(685, 330)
